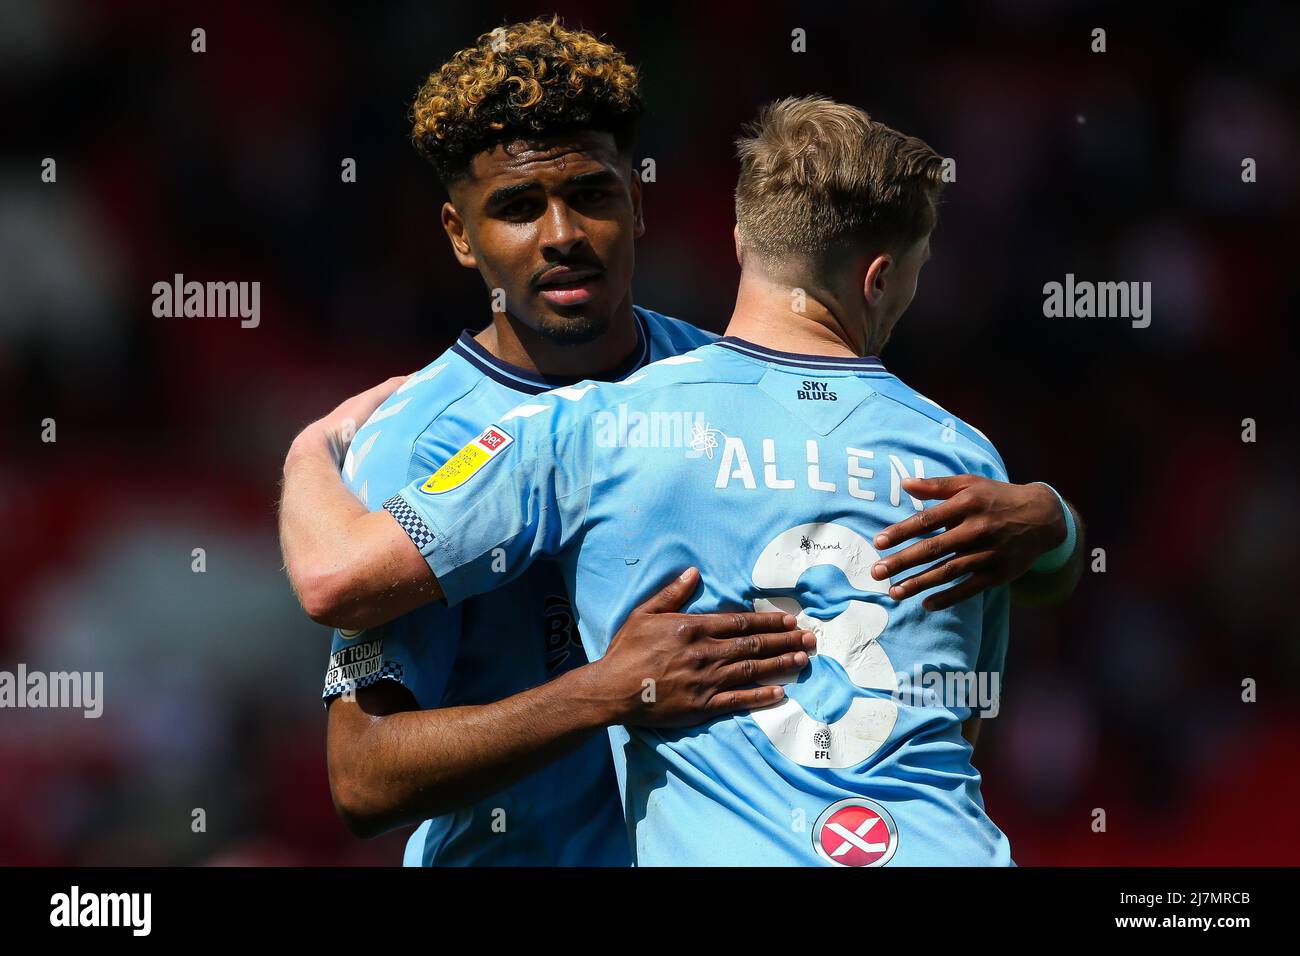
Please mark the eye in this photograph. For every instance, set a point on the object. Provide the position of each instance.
(522, 208)
(514, 209)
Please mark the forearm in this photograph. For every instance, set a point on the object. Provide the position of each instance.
(408, 766)
(1037, 589)
(349, 567)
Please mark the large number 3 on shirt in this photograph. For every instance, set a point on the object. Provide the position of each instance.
(849, 638)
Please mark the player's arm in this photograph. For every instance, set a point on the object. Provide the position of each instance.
(392, 764)
(357, 569)
(992, 531)
(350, 567)
(1040, 588)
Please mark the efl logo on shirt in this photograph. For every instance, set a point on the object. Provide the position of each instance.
(855, 832)
(463, 465)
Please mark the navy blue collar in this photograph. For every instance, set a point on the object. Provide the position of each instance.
(533, 383)
(826, 362)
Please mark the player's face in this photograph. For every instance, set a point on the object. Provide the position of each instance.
(553, 224)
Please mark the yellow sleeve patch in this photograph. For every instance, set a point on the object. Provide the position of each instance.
(463, 465)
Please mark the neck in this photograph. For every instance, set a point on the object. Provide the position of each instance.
(765, 314)
(510, 340)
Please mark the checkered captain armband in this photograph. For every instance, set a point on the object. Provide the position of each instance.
(411, 522)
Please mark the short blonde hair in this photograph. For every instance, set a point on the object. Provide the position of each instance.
(817, 176)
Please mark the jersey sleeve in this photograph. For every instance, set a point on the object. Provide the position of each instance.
(517, 492)
(416, 650)
(980, 457)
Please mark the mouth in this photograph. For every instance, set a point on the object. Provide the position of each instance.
(564, 286)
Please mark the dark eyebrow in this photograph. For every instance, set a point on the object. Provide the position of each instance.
(499, 197)
(503, 196)
(599, 177)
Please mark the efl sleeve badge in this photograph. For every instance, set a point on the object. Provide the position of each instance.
(463, 465)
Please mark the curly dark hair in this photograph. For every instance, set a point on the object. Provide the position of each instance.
(520, 81)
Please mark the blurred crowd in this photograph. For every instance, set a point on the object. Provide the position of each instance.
(1123, 165)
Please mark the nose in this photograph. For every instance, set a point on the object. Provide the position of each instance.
(561, 230)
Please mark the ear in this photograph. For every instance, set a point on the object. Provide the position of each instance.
(454, 226)
(873, 285)
(735, 237)
(638, 215)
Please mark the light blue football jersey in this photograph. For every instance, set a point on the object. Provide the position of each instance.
(771, 473)
(486, 649)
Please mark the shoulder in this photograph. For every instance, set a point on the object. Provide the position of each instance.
(967, 440)
(383, 444)
(583, 407)
(431, 411)
(432, 390)
(679, 336)
(703, 365)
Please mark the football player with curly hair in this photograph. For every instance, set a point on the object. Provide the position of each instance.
(482, 719)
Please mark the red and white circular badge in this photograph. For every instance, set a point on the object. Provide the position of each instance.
(855, 832)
